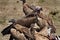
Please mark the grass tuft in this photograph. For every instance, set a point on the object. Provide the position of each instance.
(2, 19)
(41, 1)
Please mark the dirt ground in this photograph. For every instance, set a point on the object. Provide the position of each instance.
(13, 9)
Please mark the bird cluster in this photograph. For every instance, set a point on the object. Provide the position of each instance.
(29, 26)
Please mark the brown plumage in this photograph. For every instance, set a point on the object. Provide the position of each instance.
(41, 35)
(24, 30)
(49, 20)
(26, 21)
(18, 35)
